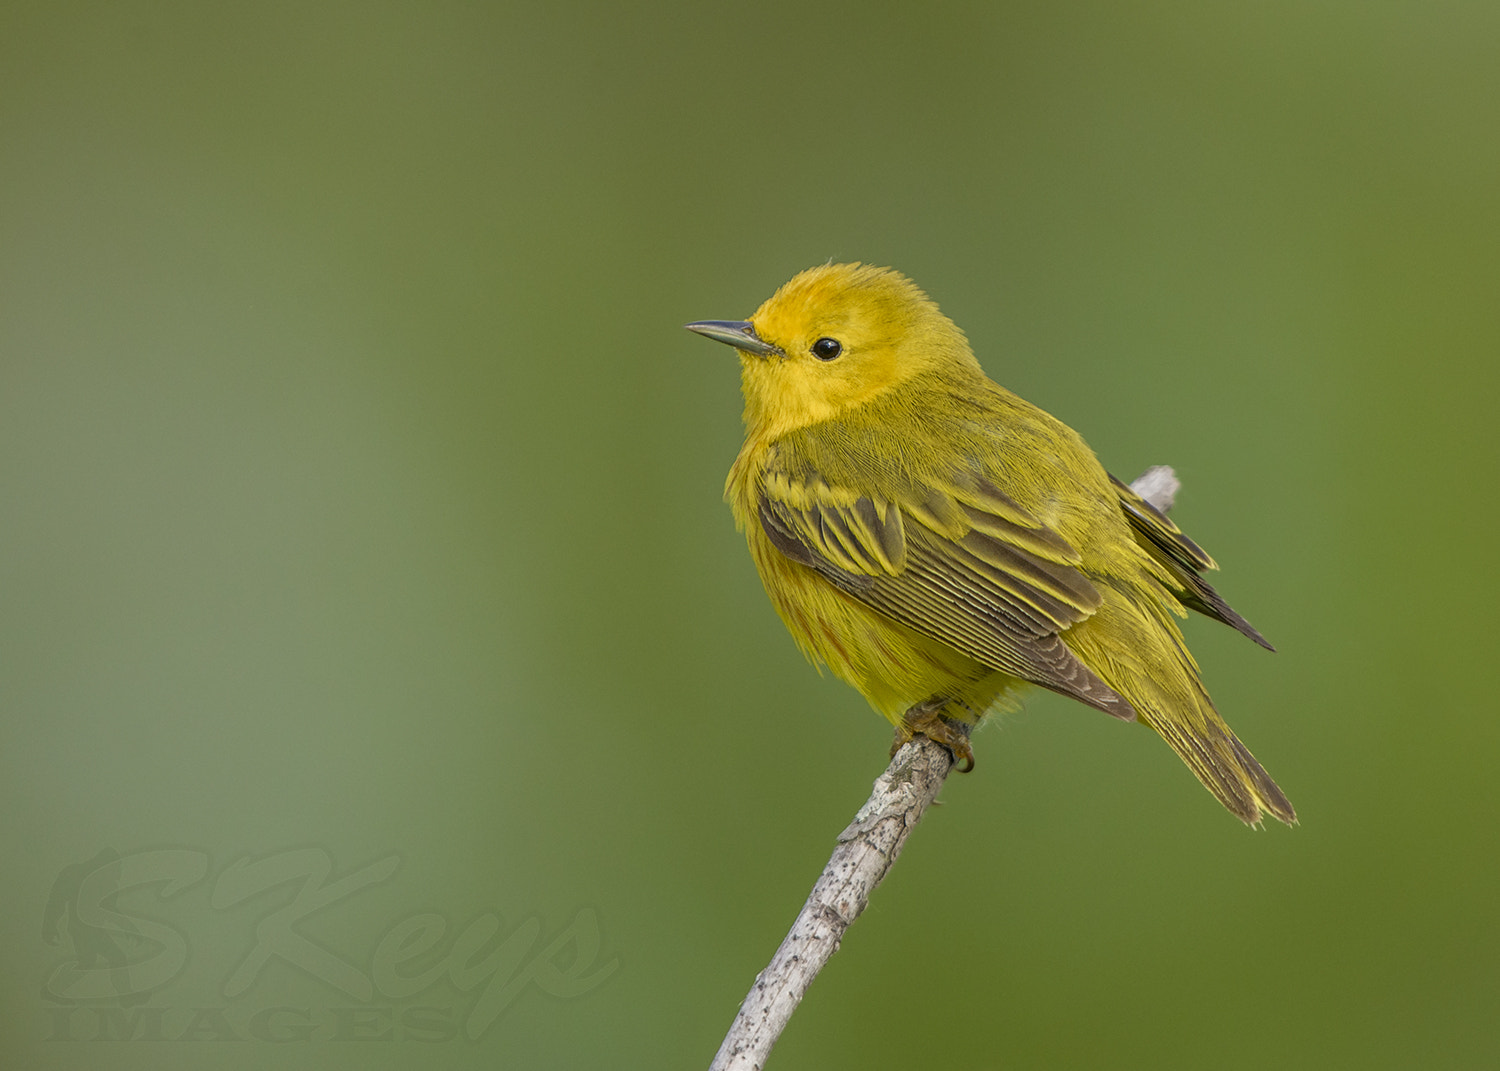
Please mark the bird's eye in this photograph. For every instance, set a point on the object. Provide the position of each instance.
(826, 349)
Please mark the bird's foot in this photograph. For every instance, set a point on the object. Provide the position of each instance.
(928, 719)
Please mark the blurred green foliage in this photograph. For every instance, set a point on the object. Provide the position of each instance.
(361, 492)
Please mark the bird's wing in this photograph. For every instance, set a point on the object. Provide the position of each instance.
(1183, 559)
(961, 563)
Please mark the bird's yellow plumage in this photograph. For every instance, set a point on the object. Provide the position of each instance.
(940, 543)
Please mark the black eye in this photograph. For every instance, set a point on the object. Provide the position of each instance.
(826, 349)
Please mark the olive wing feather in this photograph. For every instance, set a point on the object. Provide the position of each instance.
(1183, 559)
(962, 564)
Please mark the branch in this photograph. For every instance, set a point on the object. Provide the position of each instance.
(1158, 485)
(866, 851)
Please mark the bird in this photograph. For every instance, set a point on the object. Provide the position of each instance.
(942, 545)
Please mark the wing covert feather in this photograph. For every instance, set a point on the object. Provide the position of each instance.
(966, 566)
(1183, 559)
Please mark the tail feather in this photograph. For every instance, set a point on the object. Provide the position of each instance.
(1226, 768)
(1267, 792)
(1140, 654)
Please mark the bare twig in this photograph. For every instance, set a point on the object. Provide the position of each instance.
(866, 851)
(1158, 485)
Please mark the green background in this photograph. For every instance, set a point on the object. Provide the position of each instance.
(360, 494)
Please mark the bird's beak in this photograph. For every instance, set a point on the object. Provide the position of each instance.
(737, 333)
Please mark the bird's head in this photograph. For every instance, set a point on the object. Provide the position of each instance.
(832, 338)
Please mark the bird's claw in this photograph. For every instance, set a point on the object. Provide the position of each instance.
(927, 719)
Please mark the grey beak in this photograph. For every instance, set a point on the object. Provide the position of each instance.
(737, 333)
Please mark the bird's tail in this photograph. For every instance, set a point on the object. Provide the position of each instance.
(1141, 656)
(1225, 766)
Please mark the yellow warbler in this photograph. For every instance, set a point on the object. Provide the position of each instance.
(938, 542)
